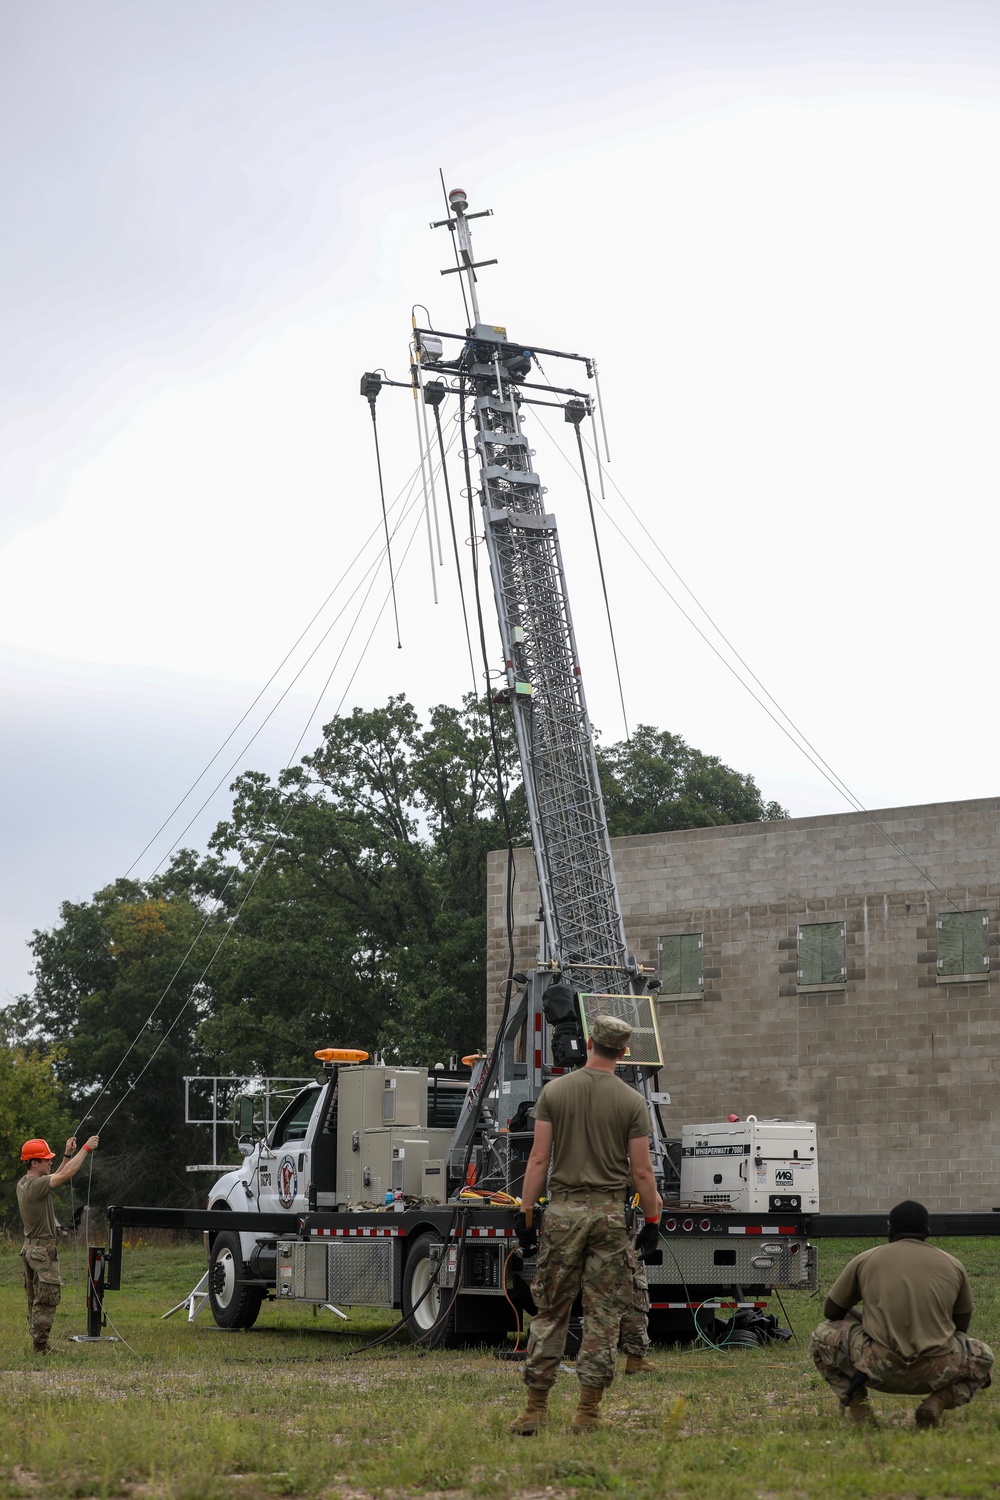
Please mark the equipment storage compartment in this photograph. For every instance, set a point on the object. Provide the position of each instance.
(389, 1161)
(751, 1166)
(732, 1260)
(384, 1147)
(362, 1272)
(302, 1270)
(371, 1097)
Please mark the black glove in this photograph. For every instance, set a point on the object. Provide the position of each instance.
(526, 1229)
(648, 1239)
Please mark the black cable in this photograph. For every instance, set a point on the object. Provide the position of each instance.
(454, 543)
(437, 1331)
(604, 585)
(494, 732)
(791, 1325)
(385, 519)
(403, 1322)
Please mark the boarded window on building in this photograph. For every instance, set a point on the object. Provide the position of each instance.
(963, 945)
(682, 969)
(822, 953)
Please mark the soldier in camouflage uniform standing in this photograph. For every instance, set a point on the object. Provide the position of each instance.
(42, 1282)
(635, 1324)
(911, 1335)
(595, 1131)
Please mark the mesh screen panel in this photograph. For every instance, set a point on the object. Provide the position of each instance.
(637, 1011)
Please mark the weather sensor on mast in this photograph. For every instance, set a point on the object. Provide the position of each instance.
(458, 202)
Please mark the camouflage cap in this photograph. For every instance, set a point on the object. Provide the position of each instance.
(610, 1031)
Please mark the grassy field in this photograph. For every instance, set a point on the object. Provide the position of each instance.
(189, 1412)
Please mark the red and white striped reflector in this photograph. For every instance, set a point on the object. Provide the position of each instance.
(359, 1234)
(763, 1229)
(693, 1306)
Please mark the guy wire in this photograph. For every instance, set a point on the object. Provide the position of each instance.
(277, 704)
(372, 568)
(604, 585)
(802, 744)
(385, 523)
(232, 876)
(454, 543)
(815, 760)
(302, 635)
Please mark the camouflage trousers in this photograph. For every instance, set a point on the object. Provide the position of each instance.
(635, 1323)
(841, 1349)
(585, 1249)
(43, 1287)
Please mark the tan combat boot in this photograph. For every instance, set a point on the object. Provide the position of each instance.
(928, 1413)
(587, 1414)
(638, 1364)
(534, 1414)
(859, 1409)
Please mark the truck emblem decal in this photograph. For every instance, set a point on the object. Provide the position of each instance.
(287, 1181)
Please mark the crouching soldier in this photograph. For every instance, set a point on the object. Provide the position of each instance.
(911, 1335)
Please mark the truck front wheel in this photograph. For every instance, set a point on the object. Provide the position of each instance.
(234, 1303)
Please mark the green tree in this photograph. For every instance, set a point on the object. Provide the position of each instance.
(343, 904)
(656, 783)
(119, 992)
(362, 913)
(31, 1104)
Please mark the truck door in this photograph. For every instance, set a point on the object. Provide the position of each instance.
(285, 1163)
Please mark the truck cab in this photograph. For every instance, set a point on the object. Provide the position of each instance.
(358, 1139)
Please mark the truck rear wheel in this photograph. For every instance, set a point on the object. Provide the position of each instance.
(422, 1301)
(234, 1303)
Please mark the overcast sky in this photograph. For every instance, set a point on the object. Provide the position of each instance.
(775, 226)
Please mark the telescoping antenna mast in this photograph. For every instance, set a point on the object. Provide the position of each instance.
(582, 917)
(584, 956)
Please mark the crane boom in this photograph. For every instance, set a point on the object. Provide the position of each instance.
(581, 912)
(583, 946)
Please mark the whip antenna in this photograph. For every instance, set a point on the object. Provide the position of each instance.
(371, 384)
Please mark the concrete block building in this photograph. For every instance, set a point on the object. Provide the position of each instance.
(842, 969)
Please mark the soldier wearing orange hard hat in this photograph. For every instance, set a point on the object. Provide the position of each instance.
(42, 1282)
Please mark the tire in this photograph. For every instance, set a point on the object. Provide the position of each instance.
(422, 1303)
(234, 1303)
(680, 1326)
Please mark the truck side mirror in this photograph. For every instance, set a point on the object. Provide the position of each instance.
(244, 1118)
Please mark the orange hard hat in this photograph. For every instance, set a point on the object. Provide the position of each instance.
(37, 1150)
